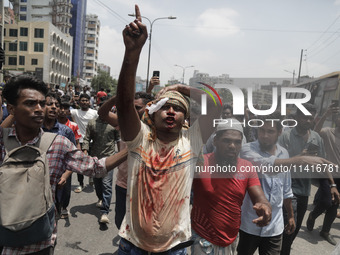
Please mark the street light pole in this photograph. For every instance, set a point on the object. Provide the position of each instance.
(183, 71)
(150, 34)
(291, 73)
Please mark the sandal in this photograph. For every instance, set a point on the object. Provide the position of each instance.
(78, 189)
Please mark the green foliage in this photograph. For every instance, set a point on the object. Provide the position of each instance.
(104, 80)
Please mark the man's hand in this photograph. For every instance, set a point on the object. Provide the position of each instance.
(153, 82)
(335, 195)
(174, 87)
(311, 160)
(264, 212)
(61, 182)
(135, 34)
(63, 178)
(290, 227)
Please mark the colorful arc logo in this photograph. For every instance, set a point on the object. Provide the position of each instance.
(209, 93)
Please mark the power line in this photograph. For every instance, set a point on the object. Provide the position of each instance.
(324, 32)
(120, 18)
(327, 45)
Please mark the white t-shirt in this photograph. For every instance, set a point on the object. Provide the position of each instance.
(159, 183)
(82, 118)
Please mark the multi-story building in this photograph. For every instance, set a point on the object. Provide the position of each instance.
(38, 48)
(212, 80)
(104, 68)
(58, 12)
(9, 17)
(92, 30)
(77, 30)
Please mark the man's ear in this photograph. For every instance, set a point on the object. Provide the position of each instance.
(10, 108)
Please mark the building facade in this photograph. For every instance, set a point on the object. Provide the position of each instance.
(92, 30)
(58, 12)
(77, 31)
(211, 80)
(104, 68)
(38, 48)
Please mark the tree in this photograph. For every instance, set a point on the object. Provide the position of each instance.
(105, 81)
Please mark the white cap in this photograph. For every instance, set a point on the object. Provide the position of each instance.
(230, 124)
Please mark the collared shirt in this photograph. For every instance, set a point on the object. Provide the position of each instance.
(276, 188)
(82, 118)
(61, 129)
(295, 144)
(103, 136)
(72, 125)
(61, 155)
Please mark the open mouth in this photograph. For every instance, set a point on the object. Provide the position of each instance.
(170, 121)
(38, 119)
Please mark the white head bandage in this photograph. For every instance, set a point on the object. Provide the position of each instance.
(155, 107)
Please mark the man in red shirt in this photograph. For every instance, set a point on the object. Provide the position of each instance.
(219, 188)
(101, 93)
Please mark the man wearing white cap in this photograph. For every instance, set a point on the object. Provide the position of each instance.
(221, 184)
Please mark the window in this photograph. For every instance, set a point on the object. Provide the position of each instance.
(34, 61)
(12, 61)
(22, 60)
(23, 8)
(13, 32)
(13, 46)
(23, 1)
(4, 31)
(38, 47)
(38, 33)
(23, 46)
(22, 17)
(23, 31)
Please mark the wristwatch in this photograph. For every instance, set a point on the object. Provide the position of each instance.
(332, 185)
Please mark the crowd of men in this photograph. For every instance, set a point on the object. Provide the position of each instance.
(166, 201)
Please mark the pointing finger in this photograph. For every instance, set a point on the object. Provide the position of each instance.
(138, 16)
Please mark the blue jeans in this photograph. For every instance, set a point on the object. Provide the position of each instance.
(103, 188)
(125, 248)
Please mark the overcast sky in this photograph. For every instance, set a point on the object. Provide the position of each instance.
(243, 38)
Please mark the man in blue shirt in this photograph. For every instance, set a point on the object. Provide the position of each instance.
(51, 124)
(276, 186)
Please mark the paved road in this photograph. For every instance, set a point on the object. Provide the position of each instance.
(82, 234)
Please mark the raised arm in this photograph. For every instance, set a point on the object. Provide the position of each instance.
(105, 113)
(134, 35)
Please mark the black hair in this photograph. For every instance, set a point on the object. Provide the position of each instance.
(227, 106)
(54, 95)
(14, 86)
(84, 95)
(65, 104)
(65, 98)
(273, 116)
(146, 98)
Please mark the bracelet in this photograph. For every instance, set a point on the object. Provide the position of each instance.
(332, 185)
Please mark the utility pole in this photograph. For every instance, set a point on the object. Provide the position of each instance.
(298, 80)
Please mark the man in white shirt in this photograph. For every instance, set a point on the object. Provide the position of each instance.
(82, 116)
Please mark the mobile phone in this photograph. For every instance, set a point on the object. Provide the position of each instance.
(155, 73)
(312, 148)
(335, 103)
